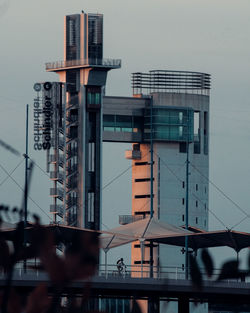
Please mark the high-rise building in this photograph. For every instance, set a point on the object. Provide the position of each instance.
(177, 118)
(84, 72)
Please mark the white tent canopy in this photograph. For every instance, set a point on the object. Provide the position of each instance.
(142, 230)
(147, 229)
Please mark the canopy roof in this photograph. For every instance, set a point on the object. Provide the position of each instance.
(162, 232)
(145, 229)
(62, 233)
(112, 241)
(222, 238)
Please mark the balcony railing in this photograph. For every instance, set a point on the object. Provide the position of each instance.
(112, 63)
(127, 219)
(52, 158)
(57, 208)
(71, 153)
(57, 192)
(61, 143)
(72, 169)
(57, 175)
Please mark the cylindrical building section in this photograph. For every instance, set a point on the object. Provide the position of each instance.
(180, 119)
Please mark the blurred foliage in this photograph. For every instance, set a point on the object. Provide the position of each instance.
(79, 261)
(229, 270)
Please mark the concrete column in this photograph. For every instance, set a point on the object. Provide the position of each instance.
(183, 305)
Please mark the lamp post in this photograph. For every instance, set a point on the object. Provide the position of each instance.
(26, 183)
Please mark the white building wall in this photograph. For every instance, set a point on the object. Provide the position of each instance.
(170, 183)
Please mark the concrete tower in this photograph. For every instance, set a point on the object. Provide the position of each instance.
(179, 104)
(84, 72)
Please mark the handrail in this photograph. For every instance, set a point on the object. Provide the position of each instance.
(131, 271)
(113, 63)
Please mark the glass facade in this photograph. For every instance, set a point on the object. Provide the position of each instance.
(169, 124)
(122, 123)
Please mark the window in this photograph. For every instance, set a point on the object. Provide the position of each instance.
(183, 147)
(205, 147)
(139, 180)
(183, 218)
(183, 184)
(142, 196)
(197, 148)
(196, 203)
(196, 220)
(141, 163)
(144, 213)
(144, 262)
(145, 245)
(91, 199)
(196, 187)
(183, 201)
(93, 97)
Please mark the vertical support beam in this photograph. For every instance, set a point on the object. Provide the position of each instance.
(26, 183)
(183, 305)
(26, 167)
(151, 182)
(153, 304)
(150, 299)
(187, 196)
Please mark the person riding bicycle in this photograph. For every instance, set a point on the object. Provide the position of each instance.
(120, 266)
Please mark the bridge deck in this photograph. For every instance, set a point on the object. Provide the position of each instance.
(224, 292)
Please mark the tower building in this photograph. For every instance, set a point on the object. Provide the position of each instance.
(84, 72)
(177, 125)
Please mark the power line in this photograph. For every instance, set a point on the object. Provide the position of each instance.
(9, 175)
(221, 191)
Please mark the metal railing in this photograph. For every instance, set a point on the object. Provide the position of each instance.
(57, 192)
(164, 272)
(57, 208)
(127, 219)
(128, 272)
(112, 63)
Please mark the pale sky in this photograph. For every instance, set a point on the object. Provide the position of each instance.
(197, 35)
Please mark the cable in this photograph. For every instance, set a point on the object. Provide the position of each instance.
(170, 170)
(218, 219)
(23, 191)
(41, 169)
(118, 176)
(105, 226)
(245, 218)
(222, 192)
(192, 193)
(7, 177)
